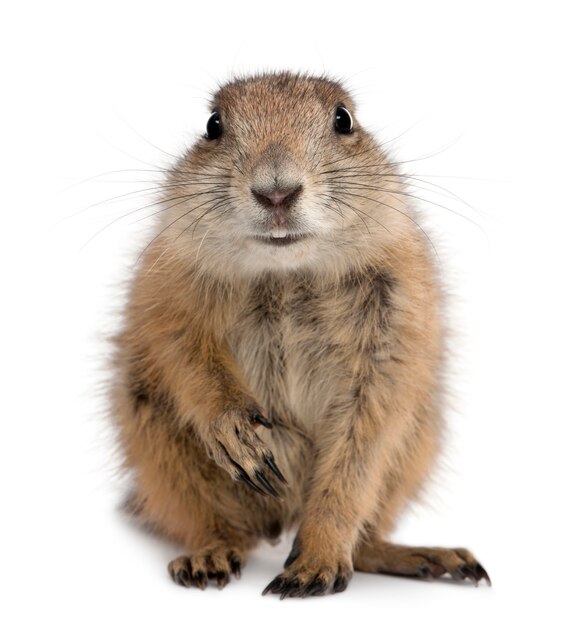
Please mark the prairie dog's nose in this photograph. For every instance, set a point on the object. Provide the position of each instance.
(277, 197)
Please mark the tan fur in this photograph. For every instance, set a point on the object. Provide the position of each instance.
(336, 339)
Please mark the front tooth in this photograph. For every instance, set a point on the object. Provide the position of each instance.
(279, 232)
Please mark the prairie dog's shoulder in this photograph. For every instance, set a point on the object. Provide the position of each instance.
(170, 300)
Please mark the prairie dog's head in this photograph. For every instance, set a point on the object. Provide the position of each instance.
(284, 178)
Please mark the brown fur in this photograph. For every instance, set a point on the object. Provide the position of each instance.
(335, 340)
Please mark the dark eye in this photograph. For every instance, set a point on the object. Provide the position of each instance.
(214, 126)
(344, 123)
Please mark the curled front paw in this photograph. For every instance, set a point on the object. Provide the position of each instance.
(311, 578)
(234, 445)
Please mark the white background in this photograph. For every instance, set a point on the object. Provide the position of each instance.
(493, 88)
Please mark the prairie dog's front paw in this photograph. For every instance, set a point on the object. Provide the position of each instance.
(233, 444)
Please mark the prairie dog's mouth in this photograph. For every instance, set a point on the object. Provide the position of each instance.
(280, 237)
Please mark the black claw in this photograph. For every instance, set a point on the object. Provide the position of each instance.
(235, 566)
(469, 573)
(184, 578)
(200, 579)
(292, 589)
(275, 586)
(244, 477)
(222, 578)
(241, 474)
(316, 587)
(270, 461)
(481, 573)
(340, 584)
(258, 418)
(266, 484)
(425, 573)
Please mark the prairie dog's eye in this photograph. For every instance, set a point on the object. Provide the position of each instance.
(344, 122)
(214, 126)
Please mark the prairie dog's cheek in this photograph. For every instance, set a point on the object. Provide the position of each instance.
(320, 220)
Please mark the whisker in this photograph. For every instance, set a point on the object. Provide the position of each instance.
(127, 154)
(360, 212)
(406, 178)
(161, 171)
(413, 196)
(138, 192)
(337, 208)
(120, 217)
(184, 198)
(181, 199)
(336, 199)
(169, 226)
(173, 156)
(409, 185)
(219, 200)
(394, 209)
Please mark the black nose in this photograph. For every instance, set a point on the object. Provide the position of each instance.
(277, 197)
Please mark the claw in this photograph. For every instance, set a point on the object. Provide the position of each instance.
(270, 461)
(340, 584)
(235, 565)
(266, 484)
(258, 418)
(200, 579)
(469, 573)
(316, 587)
(481, 573)
(292, 589)
(222, 578)
(241, 474)
(275, 586)
(245, 478)
(184, 578)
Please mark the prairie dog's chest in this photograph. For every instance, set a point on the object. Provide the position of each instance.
(268, 340)
(294, 341)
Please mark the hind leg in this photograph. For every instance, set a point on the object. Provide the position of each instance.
(216, 540)
(382, 557)
(181, 494)
(375, 555)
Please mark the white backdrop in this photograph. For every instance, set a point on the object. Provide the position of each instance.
(94, 92)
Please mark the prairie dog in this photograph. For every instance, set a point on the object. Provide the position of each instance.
(280, 361)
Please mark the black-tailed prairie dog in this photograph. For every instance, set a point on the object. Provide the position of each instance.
(279, 365)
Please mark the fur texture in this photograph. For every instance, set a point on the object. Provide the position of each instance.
(300, 341)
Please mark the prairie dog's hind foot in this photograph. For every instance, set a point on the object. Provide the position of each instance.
(213, 563)
(425, 563)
